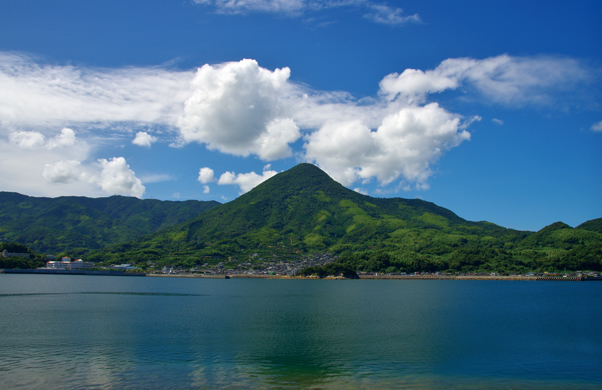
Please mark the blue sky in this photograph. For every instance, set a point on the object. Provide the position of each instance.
(490, 110)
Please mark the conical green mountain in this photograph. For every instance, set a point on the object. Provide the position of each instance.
(303, 210)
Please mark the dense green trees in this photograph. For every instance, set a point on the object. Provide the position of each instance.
(79, 224)
(303, 210)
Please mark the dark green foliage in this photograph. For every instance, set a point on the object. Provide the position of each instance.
(19, 262)
(79, 224)
(14, 247)
(303, 210)
(299, 211)
(595, 225)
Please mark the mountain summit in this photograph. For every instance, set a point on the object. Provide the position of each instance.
(303, 210)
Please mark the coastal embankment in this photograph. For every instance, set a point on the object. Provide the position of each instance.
(246, 276)
(387, 277)
(69, 272)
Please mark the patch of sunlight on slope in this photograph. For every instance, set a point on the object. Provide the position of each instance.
(432, 219)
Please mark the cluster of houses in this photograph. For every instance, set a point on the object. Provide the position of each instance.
(258, 267)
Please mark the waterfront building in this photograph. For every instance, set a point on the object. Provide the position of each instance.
(67, 264)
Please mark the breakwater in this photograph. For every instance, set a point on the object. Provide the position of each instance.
(199, 276)
(245, 276)
(69, 272)
(480, 277)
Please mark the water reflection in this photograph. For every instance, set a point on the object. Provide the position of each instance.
(82, 332)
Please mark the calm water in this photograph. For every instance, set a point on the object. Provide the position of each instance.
(126, 332)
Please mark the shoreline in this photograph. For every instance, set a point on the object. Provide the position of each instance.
(378, 277)
(288, 277)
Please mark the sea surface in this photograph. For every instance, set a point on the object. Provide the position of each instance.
(74, 332)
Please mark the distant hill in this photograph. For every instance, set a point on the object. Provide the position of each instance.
(595, 225)
(79, 224)
(303, 210)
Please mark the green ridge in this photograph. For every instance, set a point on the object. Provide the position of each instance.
(303, 210)
(79, 224)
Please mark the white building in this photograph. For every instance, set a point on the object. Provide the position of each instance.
(67, 264)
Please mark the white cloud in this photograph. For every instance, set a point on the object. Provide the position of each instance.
(176, 195)
(46, 95)
(246, 181)
(206, 175)
(117, 178)
(27, 139)
(34, 139)
(597, 126)
(144, 139)
(114, 177)
(155, 178)
(243, 6)
(384, 14)
(274, 142)
(497, 121)
(66, 138)
(377, 12)
(413, 85)
(240, 108)
(502, 79)
(21, 170)
(206, 189)
(64, 172)
(361, 191)
(404, 145)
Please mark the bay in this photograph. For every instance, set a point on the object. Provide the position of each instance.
(132, 332)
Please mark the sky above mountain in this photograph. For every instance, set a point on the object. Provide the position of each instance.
(491, 110)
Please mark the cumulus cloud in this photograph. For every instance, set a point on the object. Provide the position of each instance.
(64, 172)
(246, 181)
(597, 126)
(27, 139)
(206, 189)
(239, 108)
(404, 145)
(21, 169)
(66, 138)
(242, 109)
(117, 178)
(206, 175)
(34, 139)
(144, 139)
(113, 176)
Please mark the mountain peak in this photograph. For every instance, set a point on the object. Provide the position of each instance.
(303, 177)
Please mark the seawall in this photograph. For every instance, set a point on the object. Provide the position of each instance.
(69, 272)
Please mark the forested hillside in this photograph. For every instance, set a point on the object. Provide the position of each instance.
(303, 210)
(79, 224)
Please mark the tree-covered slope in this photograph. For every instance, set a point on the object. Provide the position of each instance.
(304, 210)
(78, 224)
(594, 225)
